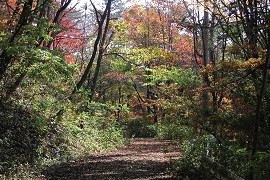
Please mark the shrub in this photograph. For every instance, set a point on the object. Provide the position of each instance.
(138, 127)
(21, 134)
(170, 130)
(31, 142)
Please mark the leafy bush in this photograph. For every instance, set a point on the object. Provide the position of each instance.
(172, 130)
(262, 166)
(230, 156)
(81, 133)
(20, 136)
(138, 127)
(190, 165)
(29, 143)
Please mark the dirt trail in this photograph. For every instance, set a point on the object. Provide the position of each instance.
(145, 158)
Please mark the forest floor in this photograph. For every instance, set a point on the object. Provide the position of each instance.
(143, 158)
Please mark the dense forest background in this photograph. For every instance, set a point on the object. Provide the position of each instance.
(77, 79)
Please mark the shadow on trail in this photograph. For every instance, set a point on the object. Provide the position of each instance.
(143, 159)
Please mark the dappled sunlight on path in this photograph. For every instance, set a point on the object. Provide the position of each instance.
(145, 158)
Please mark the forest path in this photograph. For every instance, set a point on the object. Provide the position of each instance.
(144, 158)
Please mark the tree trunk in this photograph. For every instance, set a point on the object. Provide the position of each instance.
(101, 49)
(258, 108)
(205, 37)
(97, 42)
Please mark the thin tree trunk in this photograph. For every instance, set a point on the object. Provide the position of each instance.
(101, 49)
(258, 108)
(97, 41)
(205, 56)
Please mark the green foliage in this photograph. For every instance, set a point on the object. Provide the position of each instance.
(82, 134)
(262, 165)
(185, 78)
(172, 130)
(27, 139)
(138, 127)
(190, 165)
(229, 155)
(48, 65)
(235, 158)
(21, 134)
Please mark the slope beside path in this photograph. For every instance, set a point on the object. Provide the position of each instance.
(144, 158)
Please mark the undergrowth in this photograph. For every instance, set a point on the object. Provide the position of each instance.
(30, 142)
